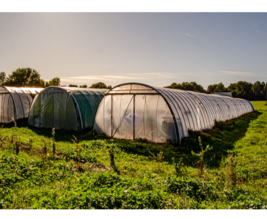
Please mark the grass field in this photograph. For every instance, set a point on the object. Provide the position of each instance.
(99, 172)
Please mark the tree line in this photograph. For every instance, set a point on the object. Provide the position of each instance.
(96, 85)
(241, 89)
(28, 77)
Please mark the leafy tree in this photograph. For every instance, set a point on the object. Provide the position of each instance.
(34, 79)
(256, 89)
(100, 85)
(54, 82)
(2, 78)
(241, 89)
(211, 88)
(220, 87)
(216, 88)
(265, 91)
(73, 85)
(24, 77)
(83, 86)
(193, 86)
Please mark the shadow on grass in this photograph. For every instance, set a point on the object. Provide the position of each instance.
(222, 138)
(61, 135)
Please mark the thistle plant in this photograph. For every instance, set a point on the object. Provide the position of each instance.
(15, 124)
(112, 159)
(53, 142)
(75, 141)
(17, 144)
(78, 156)
(201, 156)
(14, 137)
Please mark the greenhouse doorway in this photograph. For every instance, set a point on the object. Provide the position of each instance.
(122, 116)
(141, 116)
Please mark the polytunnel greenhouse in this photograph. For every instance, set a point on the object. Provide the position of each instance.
(15, 102)
(69, 108)
(133, 110)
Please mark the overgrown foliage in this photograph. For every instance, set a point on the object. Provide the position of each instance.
(151, 176)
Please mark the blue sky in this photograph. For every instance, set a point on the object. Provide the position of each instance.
(151, 48)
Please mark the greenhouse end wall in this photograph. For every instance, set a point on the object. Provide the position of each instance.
(65, 108)
(134, 116)
(54, 110)
(15, 102)
(134, 110)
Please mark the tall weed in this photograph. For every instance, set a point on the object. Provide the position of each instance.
(201, 156)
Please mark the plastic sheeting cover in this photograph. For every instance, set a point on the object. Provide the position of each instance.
(15, 103)
(65, 108)
(88, 101)
(160, 114)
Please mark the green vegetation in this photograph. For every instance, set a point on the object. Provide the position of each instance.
(84, 170)
(100, 85)
(241, 89)
(26, 77)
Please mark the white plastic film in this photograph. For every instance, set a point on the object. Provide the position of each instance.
(151, 112)
(122, 116)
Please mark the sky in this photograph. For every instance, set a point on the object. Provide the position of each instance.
(151, 48)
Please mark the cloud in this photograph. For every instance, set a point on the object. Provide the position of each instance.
(240, 73)
(190, 35)
(258, 31)
(99, 78)
(123, 78)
